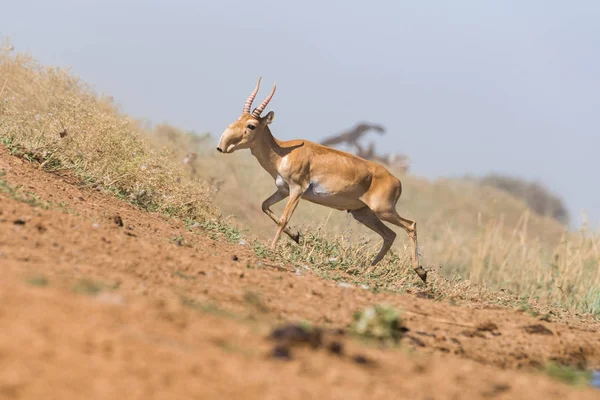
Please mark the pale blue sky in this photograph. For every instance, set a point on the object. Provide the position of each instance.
(462, 86)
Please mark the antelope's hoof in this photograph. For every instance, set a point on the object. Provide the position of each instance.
(422, 273)
(296, 237)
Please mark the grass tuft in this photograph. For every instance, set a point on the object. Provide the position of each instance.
(92, 287)
(38, 281)
(567, 374)
(381, 323)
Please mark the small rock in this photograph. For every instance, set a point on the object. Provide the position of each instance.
(416, 341)
(339, 331)
(345, 285)
(242, 242)
(496, 389)
(538, 329)
(298, 272)
(298, 334)
(487, 327)
(95, 225)
(336, 348)
(235, 258)
(118, 220)
(19, 221)
(360, 359)
(424, 295)
(282, 352)
(364, 287)
(474, 333)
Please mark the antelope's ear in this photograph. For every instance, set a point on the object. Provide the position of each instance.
(269, 117)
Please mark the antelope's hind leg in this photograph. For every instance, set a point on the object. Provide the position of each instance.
(411, 228)
(369, 219)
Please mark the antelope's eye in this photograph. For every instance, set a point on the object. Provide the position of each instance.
(251, 127)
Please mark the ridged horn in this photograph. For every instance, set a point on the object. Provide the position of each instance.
(258, 110)
(251, 98)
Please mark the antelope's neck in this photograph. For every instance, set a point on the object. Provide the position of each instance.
(268, 152)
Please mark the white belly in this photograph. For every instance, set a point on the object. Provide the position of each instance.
(319, 194)
(316, 193)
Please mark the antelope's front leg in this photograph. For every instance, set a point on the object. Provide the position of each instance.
(266, 207)
(290, 207)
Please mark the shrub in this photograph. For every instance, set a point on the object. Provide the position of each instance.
(538, 197)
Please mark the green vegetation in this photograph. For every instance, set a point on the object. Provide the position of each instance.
(92, 287)
(255, 300)
(17, 193)
(184, 276)
(179, 241)
(217, 229)
(568, 374)
(38, 281)
(209, 308)
(381, 323)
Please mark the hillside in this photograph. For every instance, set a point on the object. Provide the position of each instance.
(121, 275)
(156, 309)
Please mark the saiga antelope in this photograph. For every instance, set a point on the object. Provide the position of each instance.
(321, 175)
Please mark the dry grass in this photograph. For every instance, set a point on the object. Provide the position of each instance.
(48, 116)
(479, 242)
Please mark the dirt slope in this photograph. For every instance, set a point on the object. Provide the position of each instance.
(92, 309)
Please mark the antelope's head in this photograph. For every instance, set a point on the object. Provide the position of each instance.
(242, 133)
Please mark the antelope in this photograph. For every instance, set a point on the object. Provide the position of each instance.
(322, 175)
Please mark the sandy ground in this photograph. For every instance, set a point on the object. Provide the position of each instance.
(92, 309)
